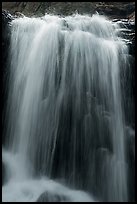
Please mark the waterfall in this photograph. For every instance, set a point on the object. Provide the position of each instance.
(65, 122)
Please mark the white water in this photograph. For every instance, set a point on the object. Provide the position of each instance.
(27, 189)
(63, 66)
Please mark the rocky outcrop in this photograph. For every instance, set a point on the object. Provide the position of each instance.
(127, 32)
(111, 9)
(128, 73)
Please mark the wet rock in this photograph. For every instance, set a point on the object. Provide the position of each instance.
(6, 19)
(19, 14)
(112, 9)
(50, 197)
(127, 31)
(6, 16)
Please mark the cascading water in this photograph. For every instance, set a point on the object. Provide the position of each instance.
(64, 116)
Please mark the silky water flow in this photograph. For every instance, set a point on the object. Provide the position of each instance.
(65, 122)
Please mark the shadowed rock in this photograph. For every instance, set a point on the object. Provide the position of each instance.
(112, 9)
(50, 197)
(4, 174)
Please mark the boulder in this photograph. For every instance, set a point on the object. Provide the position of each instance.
(51, 197)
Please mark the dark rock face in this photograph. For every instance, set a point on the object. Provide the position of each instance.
(130, 146)
(128, 95)
(6, 19)
(4, 174)
(128, 74)
(112, 9)
(50, 197)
